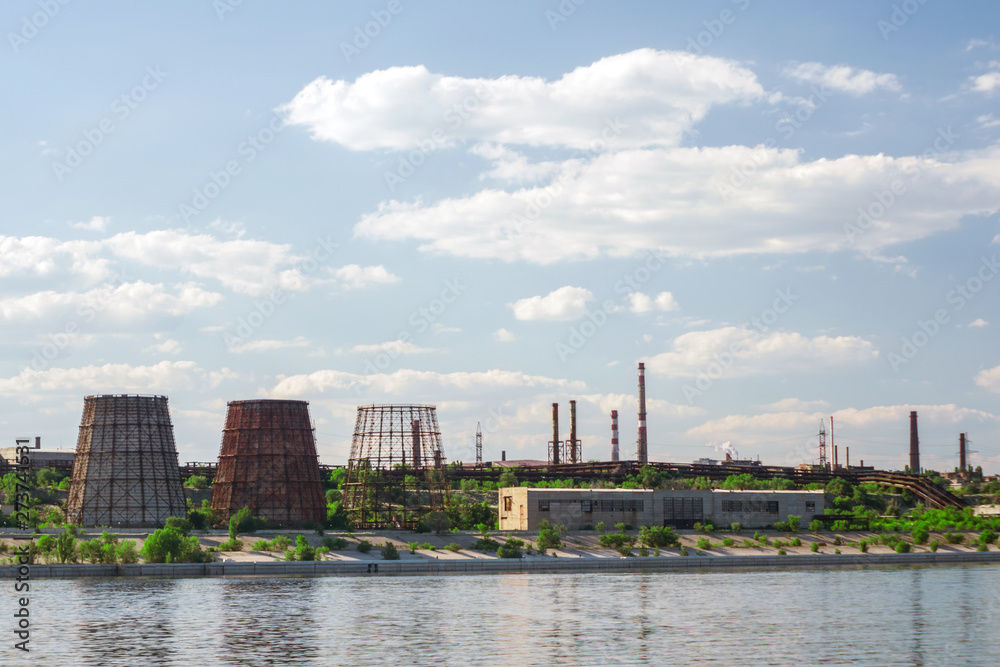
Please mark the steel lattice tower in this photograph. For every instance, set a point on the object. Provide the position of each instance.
(396, 470)
(125, 472)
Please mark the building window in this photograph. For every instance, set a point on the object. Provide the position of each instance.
(586, 506)
(732, 506)
(508, 504)
(810, 505)
(543, 505)
(772, 507)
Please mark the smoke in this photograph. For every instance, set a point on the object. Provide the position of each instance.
(725, 448)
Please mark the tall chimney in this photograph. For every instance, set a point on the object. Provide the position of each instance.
(503, 454)
(848, 450)
(614, 435)
(38, 442)
(572, 432)
(415, 426)
(914, 445)
(836, 459)
(554, 457)
(642, 453)
(833, 445)
(961, 452)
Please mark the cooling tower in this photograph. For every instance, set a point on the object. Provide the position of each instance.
(395, 473)
(268, 463)
(125, 470)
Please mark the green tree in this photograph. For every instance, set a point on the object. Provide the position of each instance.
(649, 478)
(658, 536)
(49, 477)
(66, 547)
(389, 551)
(511, 548)
(170, 545)
(438, 521)
(196, 482)
(549, 536)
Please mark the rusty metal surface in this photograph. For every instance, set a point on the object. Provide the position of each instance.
(267, 462)
(395, 473)
(125, 471)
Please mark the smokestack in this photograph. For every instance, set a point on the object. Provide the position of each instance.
(642, 453)
(614, 435)
(848, 450)
(503, 454)
(38, 442)
(832, 444)
(572, 432)
(914, 445)
(961, 452)
(836, 460)
(554, 457)
(415, 426)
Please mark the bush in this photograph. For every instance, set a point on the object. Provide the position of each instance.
(863, 546)
(782, 526)
(954, 538)
(698, 527)
(919, 535)
(452, 547)
(180, 523)
(987, 537)
(549, 536)
(728, 542)
(230, 545)
(748, 543)
(837, 541)
(364, 546)
(625, 550)
(486, 544)
(782, 552)
(982, 546)
(643, 552)
(793, 522)
(303, 550)
(903, 547)
(814, 547)
(335, 543)
(389, 551)
(815, 526)
(933, 546)
(684, 550)
(658, 536)
(704, 543)
(736, 527)
(196, 482)
(413, 547)
(511, 548)
(126, 552)
(437, 521)
(170, 545)
(796, 542)
(245, 522)
(599, 527)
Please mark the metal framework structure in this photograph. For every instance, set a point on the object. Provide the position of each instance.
(822, 444)
(268, 462)
(125, 472)
(574, 445)
(395, 474)
(556, 446)
(479, 444)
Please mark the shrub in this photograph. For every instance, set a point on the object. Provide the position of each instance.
(863, 546)
(413, 547)
(793, 522)
(511, 548)
(747, 543)
(364, 546)
(836, 551)
(335, 543)
(954, 538)
(180, 523)
(229, 545)
(625, 550)
(599, 527)
(709, 528)
(261, 545)
(303, 550)
(452, 547)
(126, 552)
(658, 536)
(437, 521)
(170, 545)
(549, 536)
(390, 552)
(704, 543)
(919, 535)
(196, 482)
(933, 546)
(982, 546)
(814, 547)
(988, 537)
(782, 526)
(903, 547)
(698, 527)
(684, 550)
(736, 527)
(728, 542)
(815, 526)
(782, 552)
(244, 522)
(427, 546)
(796, 542)
(486, 544)
(643, 552)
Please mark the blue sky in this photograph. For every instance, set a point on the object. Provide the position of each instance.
(787, 210)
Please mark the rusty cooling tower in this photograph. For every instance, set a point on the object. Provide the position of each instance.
(125, 472)
(268, 463)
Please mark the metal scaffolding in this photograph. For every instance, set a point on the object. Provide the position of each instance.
(125, 471)
(395, 473)
(267, 462)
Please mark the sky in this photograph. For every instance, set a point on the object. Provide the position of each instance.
(788, 211)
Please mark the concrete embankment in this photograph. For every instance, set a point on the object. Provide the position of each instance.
(497, 566)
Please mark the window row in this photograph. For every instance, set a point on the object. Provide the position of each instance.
(769, 506)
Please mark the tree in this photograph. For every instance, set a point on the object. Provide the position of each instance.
(649, 478)
(507, 478)
(511, 548)
(438, 521)
(66, 547)
(196, 482)
(658, 536)
(389, 552)
(549, 535)
(169, 545)
(49, 477)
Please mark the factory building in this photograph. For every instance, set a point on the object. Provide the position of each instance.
(523, 508)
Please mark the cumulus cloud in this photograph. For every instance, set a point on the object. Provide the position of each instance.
(642, 303)
(503, 335)
(267, 345)
(565, 303)
(988, 82)
(126, 301)
(95, 224)
(354, 276)
(407, 380)
(977, 323)
(989, 379)
(169, 346)
(392, 347)
(683, 202)
(44, 256)
(692, 354)
(106, 379)
(843, 78)
(657, 95)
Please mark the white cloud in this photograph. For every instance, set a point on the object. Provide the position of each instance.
(392, 347)
(95, 224)
(565, 303)
(657, 95)
(987, 121)
(795, 404)
(642, 303)
(106, 379)
(988, 82)
(512, 167)
(126, 301)
(989, 379)
(843, 78)
(681, 201)
(980, 322)
(354, 276)
(43, 256)
(169, 346)
(267, 345)
(407, 380)
(503, 335)
(692, 354)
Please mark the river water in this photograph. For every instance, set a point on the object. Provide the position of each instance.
(934, 615)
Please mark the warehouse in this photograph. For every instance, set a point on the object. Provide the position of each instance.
(522, 508)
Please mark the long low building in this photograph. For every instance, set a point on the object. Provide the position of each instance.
(522, 508)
